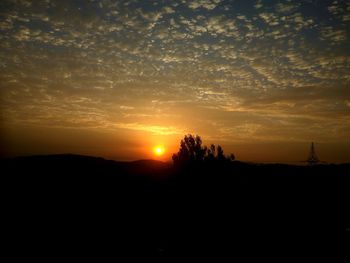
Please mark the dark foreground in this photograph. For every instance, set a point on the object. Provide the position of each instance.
(74, 207)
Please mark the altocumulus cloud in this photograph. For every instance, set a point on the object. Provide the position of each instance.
(250, 67)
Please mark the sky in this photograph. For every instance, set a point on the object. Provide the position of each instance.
(116, 78)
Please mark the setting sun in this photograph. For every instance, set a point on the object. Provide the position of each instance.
(158, 150)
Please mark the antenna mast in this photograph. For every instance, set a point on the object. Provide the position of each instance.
(312, 159)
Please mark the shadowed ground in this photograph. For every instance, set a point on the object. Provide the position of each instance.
(93, 207)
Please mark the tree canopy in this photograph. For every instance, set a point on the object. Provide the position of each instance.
(193, 151)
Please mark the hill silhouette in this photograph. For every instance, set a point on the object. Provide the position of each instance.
(71, 203)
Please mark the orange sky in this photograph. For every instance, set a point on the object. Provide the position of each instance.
(133, 145)
(116, 78)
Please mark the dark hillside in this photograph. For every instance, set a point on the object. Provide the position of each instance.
(63, 203)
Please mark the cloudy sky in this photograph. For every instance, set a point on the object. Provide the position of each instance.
(116, 78)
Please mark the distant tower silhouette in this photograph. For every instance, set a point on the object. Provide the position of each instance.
(312, 159)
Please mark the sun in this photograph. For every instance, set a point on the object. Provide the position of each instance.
(158, 150)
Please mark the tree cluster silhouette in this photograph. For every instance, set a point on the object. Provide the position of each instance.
(192, 151)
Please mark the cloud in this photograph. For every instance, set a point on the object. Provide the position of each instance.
(168, 10)
(333, 35)
(150, 67)
(206, 4)
(269, 18)
(153, 129)
(258, 4)
(286, 7)
(122, 107)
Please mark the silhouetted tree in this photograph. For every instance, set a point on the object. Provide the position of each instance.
(210, 154)
(192, 151)
(220, 154)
